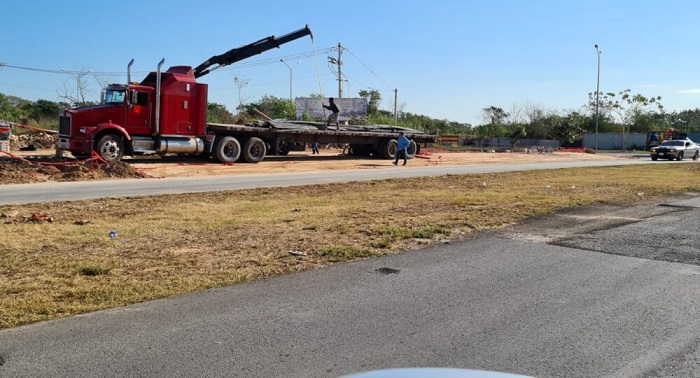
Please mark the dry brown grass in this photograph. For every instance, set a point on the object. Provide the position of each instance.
(175, 244)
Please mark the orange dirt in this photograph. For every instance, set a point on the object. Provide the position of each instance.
(14, 171)
(333, 159)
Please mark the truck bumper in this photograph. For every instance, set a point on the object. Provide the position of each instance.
(75, 146)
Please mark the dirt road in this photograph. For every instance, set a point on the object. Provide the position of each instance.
(333, 159)
(42, 166)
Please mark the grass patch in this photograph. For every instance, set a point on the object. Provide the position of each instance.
(344, 253)
(93, 270)
(184, 243)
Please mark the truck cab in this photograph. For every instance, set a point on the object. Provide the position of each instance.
(165, 113)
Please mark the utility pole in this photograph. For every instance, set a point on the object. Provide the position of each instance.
(340, 76)
(396, 99)
(597, 92)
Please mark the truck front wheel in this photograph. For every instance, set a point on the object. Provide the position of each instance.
(110, 148)
(254, 150)
(227, 150)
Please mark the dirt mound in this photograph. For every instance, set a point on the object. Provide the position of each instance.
(32, 142)
(41, 169)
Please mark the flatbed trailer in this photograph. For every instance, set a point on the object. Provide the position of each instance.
(252, 142)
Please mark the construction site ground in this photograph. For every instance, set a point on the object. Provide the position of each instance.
(41, 165)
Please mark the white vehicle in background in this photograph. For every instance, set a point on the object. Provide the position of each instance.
(676, 149)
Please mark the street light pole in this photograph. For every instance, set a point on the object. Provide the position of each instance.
(290, 77)
(597, 93)
(240, 83)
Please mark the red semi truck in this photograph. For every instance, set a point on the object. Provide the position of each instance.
(166, 114)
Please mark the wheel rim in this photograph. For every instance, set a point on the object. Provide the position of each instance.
(392, 149)
(110, 149)
(231, 149)
(256, 150)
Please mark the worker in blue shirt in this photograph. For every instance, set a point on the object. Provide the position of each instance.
(402, 145)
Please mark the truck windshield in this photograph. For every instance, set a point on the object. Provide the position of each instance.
(113, 96)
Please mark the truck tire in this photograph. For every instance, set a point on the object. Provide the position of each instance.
(361, 149)
(388, 149)
(254, 150)
(227, 150)
(412, 150)
(110, 147)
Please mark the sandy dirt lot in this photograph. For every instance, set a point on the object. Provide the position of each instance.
(42, 165)
(332, 159)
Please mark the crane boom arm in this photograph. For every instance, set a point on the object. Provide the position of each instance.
(245, 52)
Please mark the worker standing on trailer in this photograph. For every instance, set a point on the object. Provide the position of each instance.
(335, 113)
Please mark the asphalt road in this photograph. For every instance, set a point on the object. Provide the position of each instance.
(70, 191)
(589, 292)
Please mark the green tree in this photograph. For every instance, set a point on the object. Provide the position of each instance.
(517, 132)
(538, 124)
(273, 107)
(13, 108)
(569, 128)
(626, 106)
(45, 110)
(494, 115)
(217, 113)
(374, 98)
(685, 121)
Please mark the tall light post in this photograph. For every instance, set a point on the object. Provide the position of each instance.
(597, 93)
(290, 77)
(240, 83)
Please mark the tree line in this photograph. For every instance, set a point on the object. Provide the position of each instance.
(622, 112)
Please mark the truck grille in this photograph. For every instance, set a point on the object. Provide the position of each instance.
(64, 125)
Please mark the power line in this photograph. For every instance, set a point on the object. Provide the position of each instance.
(251, 64)
(369, 69)
(293, 57)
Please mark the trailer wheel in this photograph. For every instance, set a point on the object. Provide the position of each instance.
(254, 150)
(110, 147)
(283, 149)
(388, 149)
(361, 149)
(227, 150)
(411, 150)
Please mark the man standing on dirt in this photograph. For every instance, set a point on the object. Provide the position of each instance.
(402, 144)
(335, 113)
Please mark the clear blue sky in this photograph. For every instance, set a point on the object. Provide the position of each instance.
(448, 59)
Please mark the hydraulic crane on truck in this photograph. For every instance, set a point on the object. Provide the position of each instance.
(245, 52)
